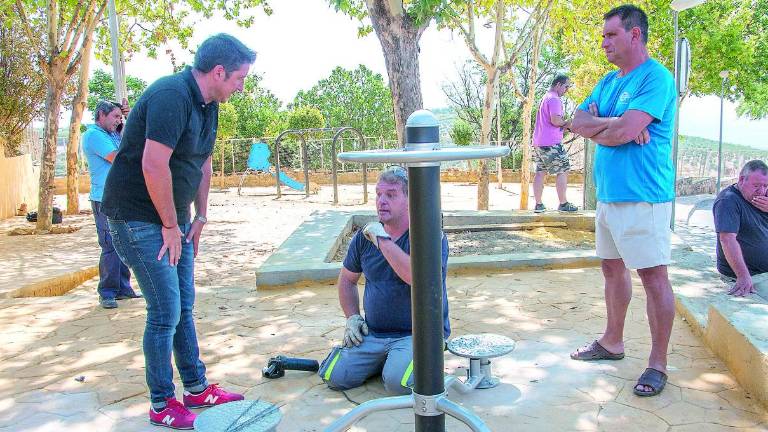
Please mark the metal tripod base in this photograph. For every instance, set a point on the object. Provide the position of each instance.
(422, 405)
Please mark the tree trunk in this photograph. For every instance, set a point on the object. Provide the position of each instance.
(48, 159)
(525, 171)
(399, 38)
(73, 143)
(485, 134)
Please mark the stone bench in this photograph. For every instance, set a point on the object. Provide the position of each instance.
(734, 328)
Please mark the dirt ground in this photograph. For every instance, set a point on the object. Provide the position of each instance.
(543, 239)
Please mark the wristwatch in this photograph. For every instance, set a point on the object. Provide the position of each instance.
(201, 219)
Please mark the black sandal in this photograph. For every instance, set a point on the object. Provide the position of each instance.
(595, 351)
(655, 379)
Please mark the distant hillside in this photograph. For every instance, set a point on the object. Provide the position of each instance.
(694, 142)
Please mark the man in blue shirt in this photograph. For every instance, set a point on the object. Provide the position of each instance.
(380, 343)
(100, 143)
(630, 114)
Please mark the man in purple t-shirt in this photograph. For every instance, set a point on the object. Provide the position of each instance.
(548, 151)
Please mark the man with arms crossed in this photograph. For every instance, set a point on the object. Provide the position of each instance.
(741, 223)
(162, 168)
(380, 343)
(630, 114)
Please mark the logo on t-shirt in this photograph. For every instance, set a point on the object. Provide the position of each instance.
(625, 97)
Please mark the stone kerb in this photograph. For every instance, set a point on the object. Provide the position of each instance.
(305, 257)
(734, 328)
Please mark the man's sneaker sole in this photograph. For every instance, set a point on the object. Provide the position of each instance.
(540, 211)
(161, 424)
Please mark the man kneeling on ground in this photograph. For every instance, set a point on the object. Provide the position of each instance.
(380, 343)
(741, 223)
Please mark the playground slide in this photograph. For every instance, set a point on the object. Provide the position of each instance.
(258, 160)
(287, 181)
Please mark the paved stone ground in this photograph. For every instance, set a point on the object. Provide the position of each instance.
(49, 342)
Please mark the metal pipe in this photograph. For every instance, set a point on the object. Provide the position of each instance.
(463, 387)
(426, 288)
(423, 134)
(677, 118)
(467, 417)
(305, 164)
(367, 408)
(117, 71)
(724, 75)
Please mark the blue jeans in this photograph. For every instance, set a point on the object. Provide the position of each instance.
(170, 296)
(114, 276)
(392, 358)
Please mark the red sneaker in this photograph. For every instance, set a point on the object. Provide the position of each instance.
(174, 416)
(212, 395)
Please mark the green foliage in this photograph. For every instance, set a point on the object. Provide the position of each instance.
(257, 108)
(147, 26)
(22, 84)
(358, 98)
(724, 35)
(222, 149)
(101, 86)
(420, 11)
(228, 119)
(462, 133)
(305, 118)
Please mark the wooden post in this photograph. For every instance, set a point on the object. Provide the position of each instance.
(590, 196)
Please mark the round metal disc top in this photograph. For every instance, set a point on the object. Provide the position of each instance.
(484, 345)
(415, 156)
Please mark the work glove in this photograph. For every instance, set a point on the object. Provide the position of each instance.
(374, 230)
(355, 330)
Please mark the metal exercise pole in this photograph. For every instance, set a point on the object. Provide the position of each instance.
(422, 154)
(423, 133)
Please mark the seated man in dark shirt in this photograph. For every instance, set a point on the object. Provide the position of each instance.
(741, 222)
(380, 343)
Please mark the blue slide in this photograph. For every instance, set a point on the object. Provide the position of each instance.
(258, 160)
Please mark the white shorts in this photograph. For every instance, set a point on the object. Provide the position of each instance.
(636, 232)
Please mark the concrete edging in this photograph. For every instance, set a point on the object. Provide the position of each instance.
(55, 286)
(304, 256)
(734, 328)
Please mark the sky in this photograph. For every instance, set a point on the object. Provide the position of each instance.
(304, 40)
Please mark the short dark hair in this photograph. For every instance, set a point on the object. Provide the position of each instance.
(631, 16)
(754, 165)
(223, 49)
(395, 174)
(104, 107)
(559, 79)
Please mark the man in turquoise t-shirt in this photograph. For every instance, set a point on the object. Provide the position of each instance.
(630, 114)
(100, 143)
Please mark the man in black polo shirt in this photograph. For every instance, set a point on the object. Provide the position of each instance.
(162, 167)
(741, 222)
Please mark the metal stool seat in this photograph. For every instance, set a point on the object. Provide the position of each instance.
(239, 416)
(479, 349)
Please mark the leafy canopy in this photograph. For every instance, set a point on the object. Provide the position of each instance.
(358, 98)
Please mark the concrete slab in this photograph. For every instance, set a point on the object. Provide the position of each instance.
(734, 328)
(305, 257)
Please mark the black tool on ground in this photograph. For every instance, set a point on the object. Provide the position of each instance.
(277, 366)
(56, 216)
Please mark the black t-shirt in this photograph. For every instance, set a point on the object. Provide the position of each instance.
(172, 112)
(733, 214)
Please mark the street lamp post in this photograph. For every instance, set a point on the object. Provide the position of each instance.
(724, 76)
(677, 7)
